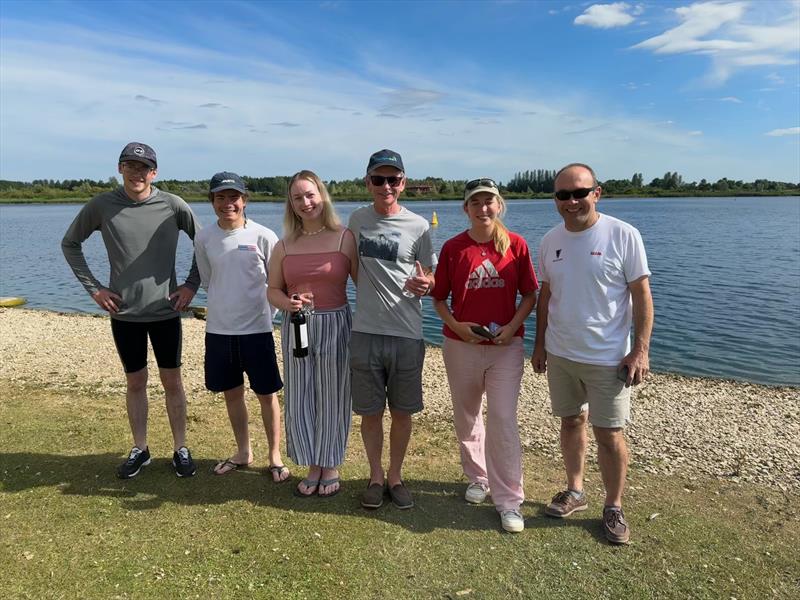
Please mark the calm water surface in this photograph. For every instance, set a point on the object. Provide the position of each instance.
(726, 272)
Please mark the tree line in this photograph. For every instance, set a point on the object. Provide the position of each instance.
(524, 184)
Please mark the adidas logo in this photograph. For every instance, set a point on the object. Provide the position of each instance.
(485, 276)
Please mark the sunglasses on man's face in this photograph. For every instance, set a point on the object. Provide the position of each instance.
(475, 183)
(380, 180)
(578, 194)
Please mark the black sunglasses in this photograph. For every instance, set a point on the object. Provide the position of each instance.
(578, 194)
(484, 182)
(379, 180)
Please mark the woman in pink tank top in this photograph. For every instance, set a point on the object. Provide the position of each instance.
(308, 270)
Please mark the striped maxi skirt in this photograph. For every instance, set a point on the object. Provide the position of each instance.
(317, 400)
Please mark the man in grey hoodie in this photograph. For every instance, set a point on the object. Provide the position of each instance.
(140, 226)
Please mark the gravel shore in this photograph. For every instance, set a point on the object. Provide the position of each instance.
(681, 425)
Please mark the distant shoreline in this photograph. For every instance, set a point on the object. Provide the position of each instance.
(409, 198)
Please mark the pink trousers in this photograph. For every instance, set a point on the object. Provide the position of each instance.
(492, 454)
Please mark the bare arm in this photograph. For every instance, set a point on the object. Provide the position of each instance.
(539, 358)
(638, 359)
(276, 285)
(349, 250)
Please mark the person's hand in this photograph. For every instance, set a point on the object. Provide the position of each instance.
(463, 329)
(539, 360)
(107, 300)
(181, 297)
(503, 335)
(419, 284)
(638, 363)
(295, 303)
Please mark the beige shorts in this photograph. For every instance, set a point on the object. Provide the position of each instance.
(576, 387)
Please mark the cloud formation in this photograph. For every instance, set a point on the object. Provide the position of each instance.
(784, 132)
(722, 31)
(607, 16)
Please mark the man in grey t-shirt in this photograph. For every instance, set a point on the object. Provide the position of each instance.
(140, 226)
(386, 347)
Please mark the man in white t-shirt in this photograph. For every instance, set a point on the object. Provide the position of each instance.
(594, 285)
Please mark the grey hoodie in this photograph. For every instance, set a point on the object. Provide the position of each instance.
(141, 239)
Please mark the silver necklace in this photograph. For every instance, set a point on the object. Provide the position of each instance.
(318, 231)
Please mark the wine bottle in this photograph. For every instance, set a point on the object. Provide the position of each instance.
(300, 329)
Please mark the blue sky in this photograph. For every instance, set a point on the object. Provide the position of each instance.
(460, 89)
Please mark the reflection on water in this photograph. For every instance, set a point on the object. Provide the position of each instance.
(726, 272)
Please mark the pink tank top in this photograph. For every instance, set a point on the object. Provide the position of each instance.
(323, 273)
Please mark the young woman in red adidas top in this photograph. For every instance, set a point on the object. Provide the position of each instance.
(481, 270)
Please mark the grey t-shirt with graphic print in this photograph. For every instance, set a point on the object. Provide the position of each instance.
(388, 246)
(141, 239)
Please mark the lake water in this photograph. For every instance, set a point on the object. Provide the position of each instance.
(726, 272)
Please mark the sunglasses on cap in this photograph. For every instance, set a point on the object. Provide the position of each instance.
(578, 194)
(379, 180)
(476, 183)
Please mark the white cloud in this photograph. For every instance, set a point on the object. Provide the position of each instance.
(695, 133)
(732, 99)
(784, 132)
(606, 16)
(723, 32)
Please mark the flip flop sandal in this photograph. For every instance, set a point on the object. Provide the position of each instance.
(227, 466)
(326, 482)
(309, 483)
(278, 469)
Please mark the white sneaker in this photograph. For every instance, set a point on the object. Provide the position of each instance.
(512, 521)
(476, 493)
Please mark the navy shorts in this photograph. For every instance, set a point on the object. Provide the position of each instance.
(131, 340)
(228, 357)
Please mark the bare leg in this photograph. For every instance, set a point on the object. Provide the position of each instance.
(399, 436)
(237, 413)
(136, 404)
(573, 449)
(176, 404)
(612, 456)
(372, 434)
(271, 415)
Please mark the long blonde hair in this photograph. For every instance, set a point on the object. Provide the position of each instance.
(500, 231)
(292, 224)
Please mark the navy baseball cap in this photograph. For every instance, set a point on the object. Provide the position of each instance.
(384, 158)
(227, 181)
(139, 152)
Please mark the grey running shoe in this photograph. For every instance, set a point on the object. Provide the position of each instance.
(183, 463)
(564, 504)
(615, 526)
(136, 460)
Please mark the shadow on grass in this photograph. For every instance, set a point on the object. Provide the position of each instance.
(438, 505)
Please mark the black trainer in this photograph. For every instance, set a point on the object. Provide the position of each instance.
(136, 460)
(183, 463)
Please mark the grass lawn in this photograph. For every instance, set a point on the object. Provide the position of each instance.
(70, 529)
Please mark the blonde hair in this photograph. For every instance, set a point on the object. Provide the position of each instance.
(500, 232)
(292, 224)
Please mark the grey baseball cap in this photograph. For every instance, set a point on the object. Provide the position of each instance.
(139, 152)
(385, 158)
(226, 180)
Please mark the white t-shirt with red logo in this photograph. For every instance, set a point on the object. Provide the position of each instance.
(590, 311)
(483, 285)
